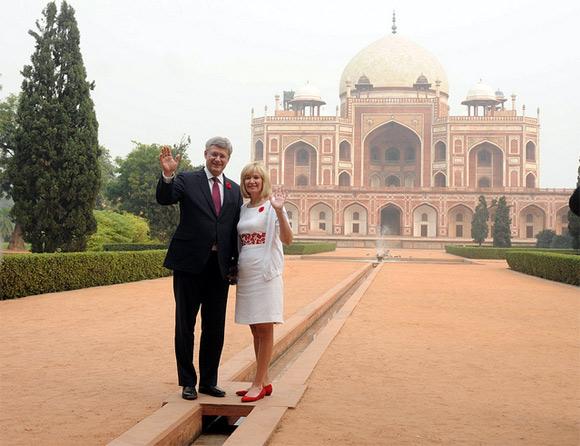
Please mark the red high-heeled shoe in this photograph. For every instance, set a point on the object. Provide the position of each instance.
(251, 399)
(268, 388)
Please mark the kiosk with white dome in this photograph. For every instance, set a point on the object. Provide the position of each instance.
(392, 161)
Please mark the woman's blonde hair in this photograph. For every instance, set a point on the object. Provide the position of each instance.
(258, 168)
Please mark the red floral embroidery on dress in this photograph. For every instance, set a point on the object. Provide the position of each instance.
(253, 238)
(261, 209)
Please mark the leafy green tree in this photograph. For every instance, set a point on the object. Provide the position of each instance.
(54, 169)
(501, 224)
(544, 238)
(479, 227)
(115, 227)
(133, 190)
(107, 167)
(6, 225)
(8, 127)
(574, 222)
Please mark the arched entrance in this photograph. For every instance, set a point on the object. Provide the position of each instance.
(424, 221)
(562, 221)
(459, 222)
(392, 151)
(532, 220)
(293, 215)
(486, 165)
(321, 219)
(300, 164)
(355, 220)
(390, 220)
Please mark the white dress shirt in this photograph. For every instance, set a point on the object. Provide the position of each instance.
(209, 181)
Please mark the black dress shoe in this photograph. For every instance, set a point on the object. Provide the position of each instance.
(189, 393)
(212, 391)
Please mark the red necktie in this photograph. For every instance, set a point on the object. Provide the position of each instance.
(215, 195)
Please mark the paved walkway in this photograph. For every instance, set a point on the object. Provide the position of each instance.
(471, 354)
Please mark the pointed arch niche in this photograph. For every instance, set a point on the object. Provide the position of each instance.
(321, 219)
(344, 151)
(355, 220)
(300, 161)
(562, 221)
(344, 179)
(391, 220)
(293, 216)
(259, 151)
(392, 150)
(424, 221)
(532, 220)
(459, 222)
(486, 160)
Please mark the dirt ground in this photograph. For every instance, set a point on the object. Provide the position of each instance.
(463, 354)
(470, 354)
(82, 367)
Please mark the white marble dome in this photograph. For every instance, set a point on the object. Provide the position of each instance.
(307, 92)
(394, 61)
(481, 92)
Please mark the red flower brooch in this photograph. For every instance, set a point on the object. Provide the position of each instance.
(261, 209)
(228, 185)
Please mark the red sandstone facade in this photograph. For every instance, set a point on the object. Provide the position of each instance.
(392, 162)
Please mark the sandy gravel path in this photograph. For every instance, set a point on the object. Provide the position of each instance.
(471, 354)
(82, 367)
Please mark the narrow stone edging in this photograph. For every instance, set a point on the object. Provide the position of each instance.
(178, 422)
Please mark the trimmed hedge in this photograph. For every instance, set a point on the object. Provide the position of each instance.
(559, 267)
(27, 274)
(133, 246)
(302, 248)
(488, 252)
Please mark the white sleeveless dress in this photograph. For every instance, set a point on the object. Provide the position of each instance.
(257, 300)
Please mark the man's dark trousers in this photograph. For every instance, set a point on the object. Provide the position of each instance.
(208, 290)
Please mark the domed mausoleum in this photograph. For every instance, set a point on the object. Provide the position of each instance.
(391, 162)
(392, 64)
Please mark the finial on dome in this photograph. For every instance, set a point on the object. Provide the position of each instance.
(394, 27)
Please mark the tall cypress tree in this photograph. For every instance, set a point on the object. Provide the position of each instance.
(501, 225)
(479, 228)
(574, 222)
(55, 170)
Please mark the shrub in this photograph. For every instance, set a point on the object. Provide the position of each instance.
(544, 238)
(562, 242)
(484, 252)
(133, 246)
(27, 274)
(548, 265)
(115, 227)
(309, 248)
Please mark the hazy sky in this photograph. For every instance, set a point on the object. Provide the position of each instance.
(164, 69)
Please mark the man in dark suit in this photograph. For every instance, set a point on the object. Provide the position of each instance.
(202, 254)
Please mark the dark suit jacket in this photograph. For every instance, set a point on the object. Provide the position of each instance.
(199, 227)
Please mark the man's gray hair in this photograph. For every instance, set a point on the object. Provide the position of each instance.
(221, 142)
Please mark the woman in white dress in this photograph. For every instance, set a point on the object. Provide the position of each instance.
(262, 229)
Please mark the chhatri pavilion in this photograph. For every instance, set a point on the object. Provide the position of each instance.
(392, 162)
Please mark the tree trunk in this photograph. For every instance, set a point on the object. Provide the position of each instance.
(16, 241)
